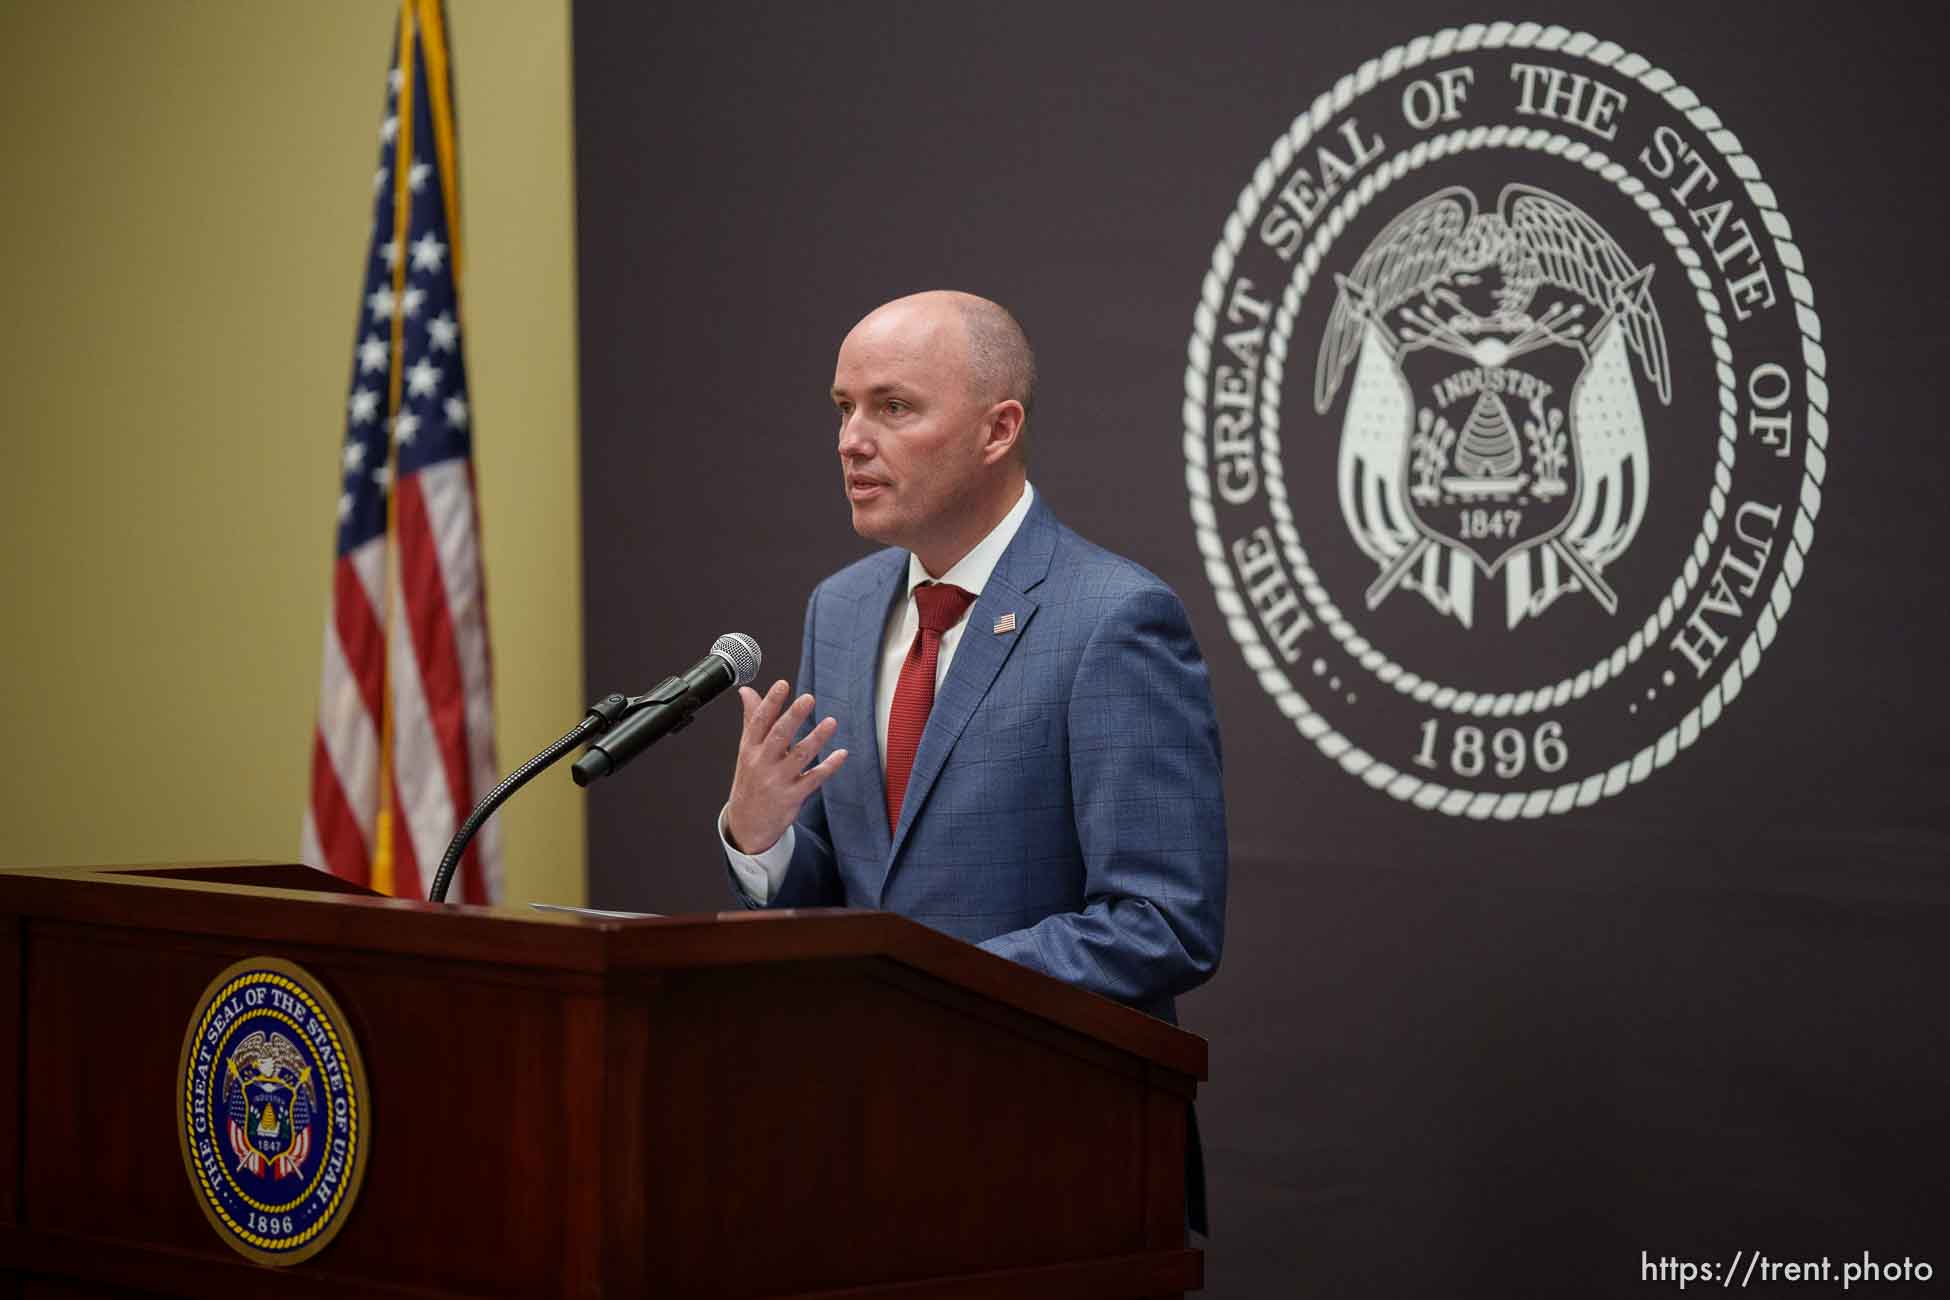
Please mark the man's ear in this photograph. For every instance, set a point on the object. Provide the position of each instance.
(1003, 431)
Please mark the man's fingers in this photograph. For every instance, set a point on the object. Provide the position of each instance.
(790, 721)
(821, 772)
(764, 711)
(814, 741)
(754, 710)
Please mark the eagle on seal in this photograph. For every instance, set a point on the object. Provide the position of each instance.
(1493, 421)
(269, 1098)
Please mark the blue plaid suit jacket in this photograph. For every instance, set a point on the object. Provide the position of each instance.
(1065, 808)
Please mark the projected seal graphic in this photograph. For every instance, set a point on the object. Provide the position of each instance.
(1505, 420)
(1493, 410)
(271, 1104)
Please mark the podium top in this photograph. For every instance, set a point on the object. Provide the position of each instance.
(279, 903)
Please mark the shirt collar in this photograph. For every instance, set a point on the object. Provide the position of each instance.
(971, 572)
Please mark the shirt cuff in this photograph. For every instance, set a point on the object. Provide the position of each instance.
(758, 874)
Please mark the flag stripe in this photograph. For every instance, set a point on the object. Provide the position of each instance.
(309, 848)
(432, 633)
(346, 731)
(369, 566)
(455, 517)
(360, 640)
(424, 802)
(425, 583)
(339, 837)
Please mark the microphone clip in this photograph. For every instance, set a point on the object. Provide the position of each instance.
(611, 709)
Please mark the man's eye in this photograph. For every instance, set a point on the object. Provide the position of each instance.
(895, 406)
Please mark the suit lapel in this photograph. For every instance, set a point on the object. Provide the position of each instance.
(978, 659)
(863, 683)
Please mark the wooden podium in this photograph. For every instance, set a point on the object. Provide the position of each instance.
(807, 1104)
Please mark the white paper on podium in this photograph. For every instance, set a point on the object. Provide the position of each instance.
(593, 911)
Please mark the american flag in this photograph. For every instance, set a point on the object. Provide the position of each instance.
(405, 738)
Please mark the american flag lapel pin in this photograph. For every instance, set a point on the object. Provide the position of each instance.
(1007, 623)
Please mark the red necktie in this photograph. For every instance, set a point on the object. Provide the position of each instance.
(941, 608)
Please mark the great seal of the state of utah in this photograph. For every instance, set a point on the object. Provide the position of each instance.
(273, 1114)
(1505, 420)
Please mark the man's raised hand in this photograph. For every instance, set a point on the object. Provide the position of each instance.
(772, 778)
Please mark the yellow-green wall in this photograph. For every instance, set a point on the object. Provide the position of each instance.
(186, 191)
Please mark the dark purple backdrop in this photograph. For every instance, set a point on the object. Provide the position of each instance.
(1448, 1058)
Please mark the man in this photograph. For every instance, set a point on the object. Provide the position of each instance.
(1021, 749)
(1037, 765)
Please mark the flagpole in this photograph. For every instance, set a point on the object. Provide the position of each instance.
(383, 866)
(433, 26)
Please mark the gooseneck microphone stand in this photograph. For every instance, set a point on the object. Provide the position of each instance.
(666, 707)
(603, 715)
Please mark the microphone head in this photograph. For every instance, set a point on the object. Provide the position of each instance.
(741, 652)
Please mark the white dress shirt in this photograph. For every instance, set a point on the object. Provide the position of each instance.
(760, 873)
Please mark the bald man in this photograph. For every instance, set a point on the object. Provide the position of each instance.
(1017, 744)
(1060, 802)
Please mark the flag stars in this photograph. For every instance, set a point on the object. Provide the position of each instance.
(423, 380)
(428, 253)
(411, 282)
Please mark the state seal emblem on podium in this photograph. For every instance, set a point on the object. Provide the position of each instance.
(272, 1107)
(1506, 420)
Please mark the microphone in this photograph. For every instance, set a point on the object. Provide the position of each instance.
(669, 705)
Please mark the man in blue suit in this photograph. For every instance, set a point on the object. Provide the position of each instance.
(1021, 749)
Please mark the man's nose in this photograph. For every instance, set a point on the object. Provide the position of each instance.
(854, 442)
